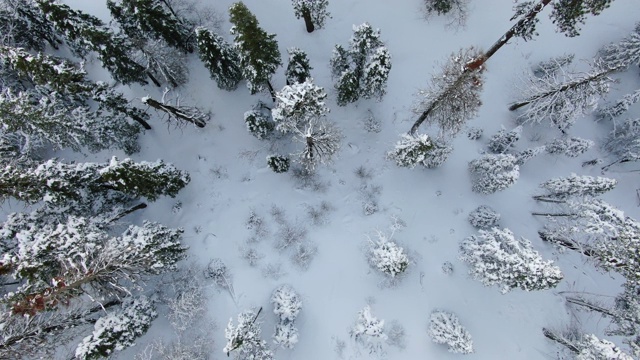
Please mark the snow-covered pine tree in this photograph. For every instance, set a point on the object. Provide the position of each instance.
(619, 107)
(453, 96)
(574, 185)
(286, 305)
(244, 339)
(220, 58)
(525, 155)
(297, 104)
(314, 12)
(568, 146)
(562, 97)
(412, 150)
(298, 69)
(496, 257)
(85, 33)
(259, 122)
(361, 71)
(484, 217)
(321, 140)
(624, 53)
(117, 330)
(445, 328)
(553, 65)
(258, 51)
(503, 140)
(57, 263)
(387, 257)
(491, 173)
(455, 10)
(277, 163)
(154, 19)
(624, 143)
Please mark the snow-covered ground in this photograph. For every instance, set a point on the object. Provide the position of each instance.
(230, 180)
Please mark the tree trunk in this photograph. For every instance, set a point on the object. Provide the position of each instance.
(546, 199)
(476, 64)
(590, 306)
(271, 91)
(175, 112)
(560, 340)
(127, 212)
(551, 214)
(306, 15)
(153, 79)
(141, 121)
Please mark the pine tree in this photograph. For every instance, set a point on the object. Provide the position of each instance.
(85, 33)
(258, 51)
(524, 156)
(569, 146)
(412, 150)
(589, 347)
(561, 98)
(297, 104)
(389, 258)
(361, 71)
(625, 52)
(496, 257)
(162, 62)
(24, 26)
(314, 12)
(576, 186)
(220, 58)
(298, 69)
(445, 328)
(369, 331)
(244, 339)
(154, 19)
(567, 14)
(503, 140)
(456, 11)
(491, 173)
(279, 164)
(118, 330)
(259, 122)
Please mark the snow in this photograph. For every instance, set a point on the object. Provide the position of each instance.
(230, 179)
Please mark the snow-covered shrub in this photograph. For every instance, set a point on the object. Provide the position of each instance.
(577, 186)
(503, 140)
(369, 330)
(304, 254)
(496, 257)
(571, 146)
(551, 66)
(285, 335)
(474, 133)
(286, 303)
(412, 150)
(491, 173)
(277, 163)
(244, 339)
(188, 305)
(117, 330)
(445, 328)
(447, 268)
(258, 123)
(388, 257)
(624, 142)
(528, 154)
(484, 217)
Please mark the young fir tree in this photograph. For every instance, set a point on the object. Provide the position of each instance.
(568, 146)
(298, 69)
(491, 173)
(625, 52)
(387, 257)
(503, 140)
(568, 14)
(58, 263)
(244, 339)
(118, 329)
(363, 70)
(85, 33)
(163, 64)
(445, 328)
(258, 51)
(297, 104)
(562, 97)
(575, 186)
(279, 164)
(314, 12)
(219, 58)
(496, 257)
(154, 19)
(522, 157)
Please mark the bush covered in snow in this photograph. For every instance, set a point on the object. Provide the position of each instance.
(569, 146)
(259, 123)
(484, 217)
(445, 328)
(368, 331)
(496, 257)
(412, 150)
(503, 140)
(491, 173)
(577, 186)
(286, 303)
(388, 257)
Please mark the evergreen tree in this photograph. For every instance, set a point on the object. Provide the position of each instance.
(258, 51)
(23, 25)
(361, 71)
(162, 62)
(576, 186)
(491, 173)
(589, 347)
(625, 52)
(117, 330)
(445, 328)
(154, 19)
(85, 33)
(484, 217)
(619, 107)
(561, 99)
(412, 150)
(279, 164)
(297, 104)
(368, 331)
(496, 257)
(220, 58)
(569, 146)
(503, 140)
(314, 12)
(568, 14)
(298, 69)
(286, 305)
(455, 10)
